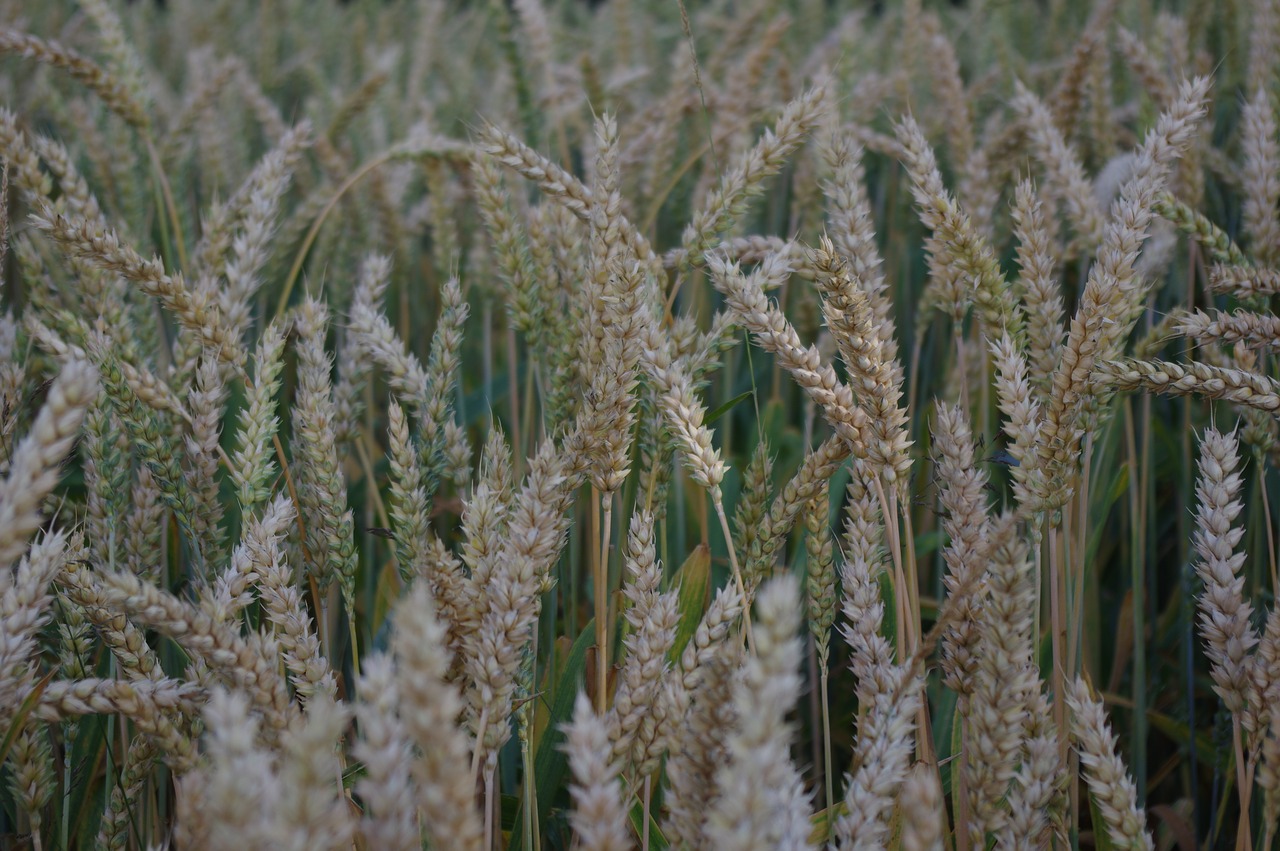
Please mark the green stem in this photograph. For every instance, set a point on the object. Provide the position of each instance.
(170, 208)
(314, 231)
(600, 527)
(1137, 558)
(826, 737)
(737, 572)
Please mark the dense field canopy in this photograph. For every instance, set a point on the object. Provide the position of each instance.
(743, 424)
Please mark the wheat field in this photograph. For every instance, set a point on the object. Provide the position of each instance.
(642, 424)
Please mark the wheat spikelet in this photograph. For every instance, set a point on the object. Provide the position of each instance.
(127, 643)
(252, 466)
(560, 186)
(882, 754)
(1004, 681)
(753, 504)
(1146, 67)
(34, 471)
(243, 661)
(1213, 382)
(126, 796)
(32, 780)
(1261, 177)
(652, 618)
(115, 93)
(1037, 795)
(144, 702)
(1224, 613)
(820, 585)
(1244, 281)
(697, 746)
(1108, 780)
(390, 817)
(25, 599)
(1105, 312)
(762, 802)
(1253, 329)
(101, 247)
(817, 467)
(534, 538)
(924, 817)
(746, 297)
(1042, 300)
(312, 810)
(848, 313)
(961, 247)
(1018, 403)
(851, 228)
(598, 817)
(742, 179)
(969, 530)
(1219, 245)
(429, 710)
(683, 414)
(322, 488)
(1263, 694)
